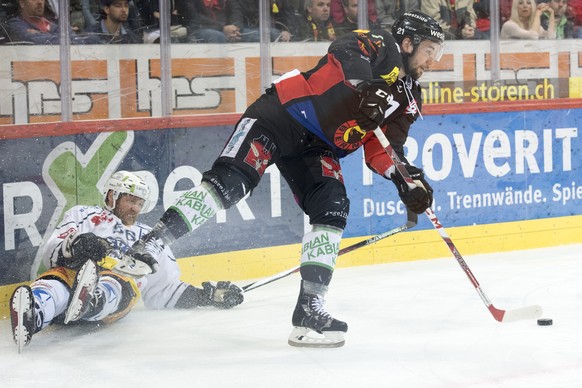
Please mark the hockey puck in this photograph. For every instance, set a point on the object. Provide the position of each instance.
(545, 322)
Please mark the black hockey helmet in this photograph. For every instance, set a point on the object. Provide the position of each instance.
(418, 26)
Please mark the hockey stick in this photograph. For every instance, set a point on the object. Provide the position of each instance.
(410, 223)
(529, 312)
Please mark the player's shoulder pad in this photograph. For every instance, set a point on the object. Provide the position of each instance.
(389, 59)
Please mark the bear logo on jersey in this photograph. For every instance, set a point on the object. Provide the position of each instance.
(349, 136)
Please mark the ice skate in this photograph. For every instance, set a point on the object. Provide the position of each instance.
(22, 316)
(313, 326)
(83, 290)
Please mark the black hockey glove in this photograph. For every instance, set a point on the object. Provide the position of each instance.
(222, 294)
(80, 247)
(375, 97)
(418, 199)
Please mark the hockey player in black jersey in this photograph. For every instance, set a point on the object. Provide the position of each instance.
(304, 124)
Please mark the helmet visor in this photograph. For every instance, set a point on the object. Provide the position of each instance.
(432, 49)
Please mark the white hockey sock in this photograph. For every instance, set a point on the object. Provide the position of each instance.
(108, 293)
(50, 299)
(197, 205)
(321, 246)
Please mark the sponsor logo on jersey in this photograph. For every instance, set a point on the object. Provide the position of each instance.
(378, 40)
(412, 108)
(237, 138)
(349, 136)
(330, 167)
(260, 154)
(67, 232)
(99, 218)
(392, 76)
(363, 48)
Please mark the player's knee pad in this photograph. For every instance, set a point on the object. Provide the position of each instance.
(230, 182)
(328, 204)
(51, 297)
(125, 290)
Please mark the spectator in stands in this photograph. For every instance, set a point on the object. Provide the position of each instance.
(91, 12)
(207, 21)
(483, 22)
(149, 12)
(290, 17)
(317, 23)
(390, 10)
(456, 17)
(505, 10)
(385, 10)
(564, 27)
(30, 25)
(111, 27)
(244, 14)
(150, 28)
(350, 22)
(338, 11)
(76, 19)
(525, 21)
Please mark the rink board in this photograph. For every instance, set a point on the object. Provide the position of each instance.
(406, 246)
(502, 181)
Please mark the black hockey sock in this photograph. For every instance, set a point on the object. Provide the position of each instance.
(316, 274)
(174, 224)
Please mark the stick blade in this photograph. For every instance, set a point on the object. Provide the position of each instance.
(520, 314)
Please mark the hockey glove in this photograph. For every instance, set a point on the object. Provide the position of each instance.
(223, 294)
(375, 97)
(145, 251)
(418, 199)
(79, 247)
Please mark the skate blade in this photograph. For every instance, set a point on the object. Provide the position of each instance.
(85, 286)
(307, 338)
(21, 306)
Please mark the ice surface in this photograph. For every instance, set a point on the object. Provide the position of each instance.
(416, 324)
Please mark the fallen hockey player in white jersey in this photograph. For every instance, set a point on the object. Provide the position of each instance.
(92, 276)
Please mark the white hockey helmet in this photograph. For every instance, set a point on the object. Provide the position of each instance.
(125, 182)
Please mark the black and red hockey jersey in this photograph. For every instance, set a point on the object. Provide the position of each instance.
(324, 101)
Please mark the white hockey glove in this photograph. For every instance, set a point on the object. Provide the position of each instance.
(77, 248)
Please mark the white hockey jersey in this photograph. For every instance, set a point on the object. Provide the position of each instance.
(159, 290)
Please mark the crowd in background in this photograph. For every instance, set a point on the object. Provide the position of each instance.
(222, 21)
